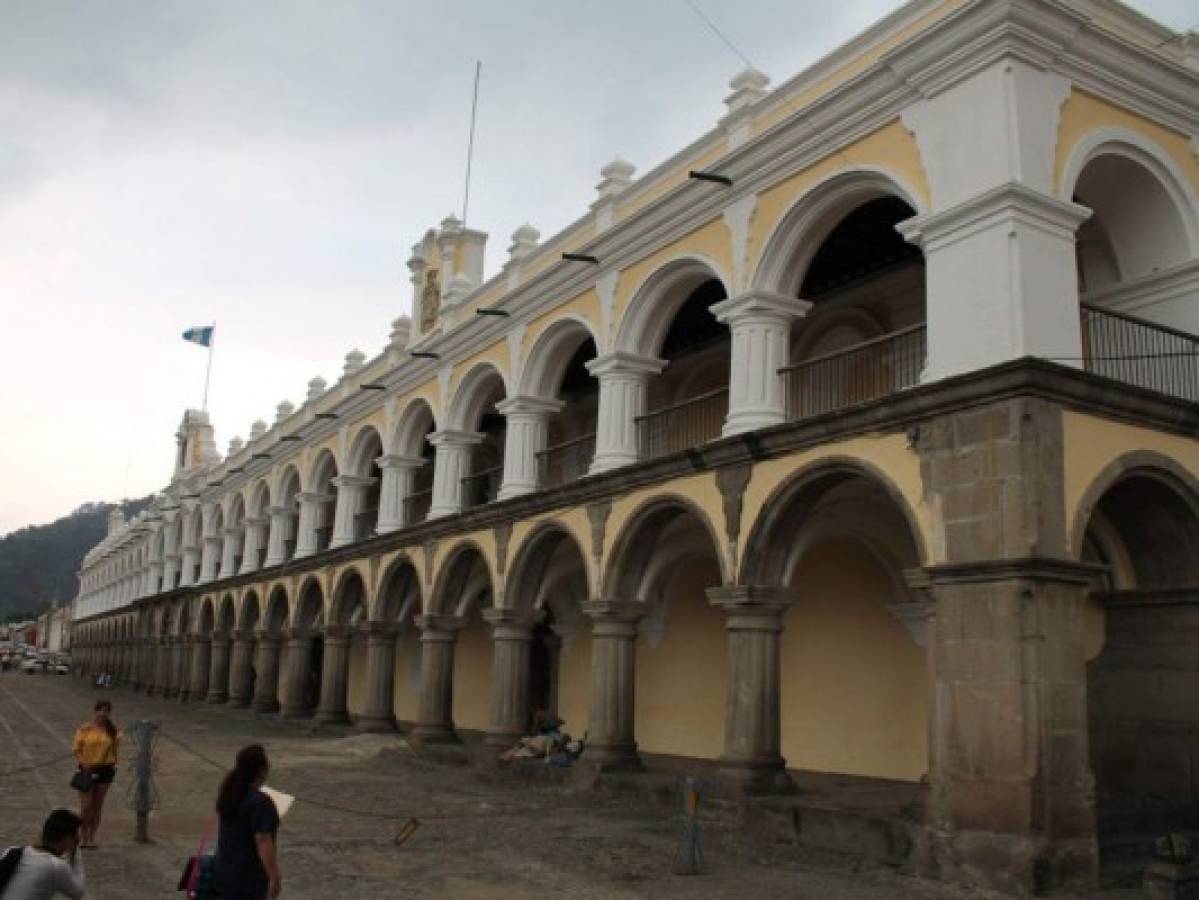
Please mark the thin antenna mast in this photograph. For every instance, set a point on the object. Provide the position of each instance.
(208, 371)
(470, 147)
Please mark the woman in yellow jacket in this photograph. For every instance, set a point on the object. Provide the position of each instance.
(96, 744)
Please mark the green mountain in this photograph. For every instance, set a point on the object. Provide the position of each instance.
(38, 563)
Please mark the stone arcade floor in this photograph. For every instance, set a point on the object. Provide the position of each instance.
(514, 836)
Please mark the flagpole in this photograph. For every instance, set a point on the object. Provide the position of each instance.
(208, 372)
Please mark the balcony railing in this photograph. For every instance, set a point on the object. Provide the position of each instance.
(416, 506)
(565, 462)
(1136, 351)
(481, 487)
(364, 524)
(682, 425)
(857, 374)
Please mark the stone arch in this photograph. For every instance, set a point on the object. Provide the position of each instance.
(259, 498)
(1141, 200)
(277, 614)
(527, 582)
(633, 548)
(206, 621)
(366, 447)
(551, 353)
(797, 237)
(655, 301)
(399, 596)
(463, 581)
(288, 483)
(351, 598)
(235, 512)
(769, 561)
(195, 527)
(250, 612)
(476, 391)
(226, 616)
(323, 470)
(417, 420)
(309, 611)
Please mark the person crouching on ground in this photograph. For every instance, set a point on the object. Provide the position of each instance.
(96, 744)
(52, 868)
(247, 861)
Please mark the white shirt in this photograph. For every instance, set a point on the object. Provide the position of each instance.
(42, 876)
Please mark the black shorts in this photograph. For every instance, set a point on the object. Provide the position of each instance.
(104, 774)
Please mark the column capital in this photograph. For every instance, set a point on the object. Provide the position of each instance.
(269, 638)
(280, 511)
(221, 637)
(510, 624)
(759, 304)
(449, 437)
(201, 638)
(914, 615)
(300, 634)
(257, 521)
(399, 461)
(748, 600)
(245, 634)
(529, 406)
(212, 539)
(381, 630)
(436, 626)
(338, 632)
(315, 497)
(352, 481)
(233, 530)
(622, 362)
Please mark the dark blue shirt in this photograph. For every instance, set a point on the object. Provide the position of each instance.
(239, 872)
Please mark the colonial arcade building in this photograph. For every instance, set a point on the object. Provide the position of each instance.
(874, 454)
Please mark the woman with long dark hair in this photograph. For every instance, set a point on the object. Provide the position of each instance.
(247, 862)
(95, 746)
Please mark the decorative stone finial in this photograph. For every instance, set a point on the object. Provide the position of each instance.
(354, 361)
(401, 329)
(459, 289)
(615, 177)
(316, 387)
(749, 86)
(283, 411)
(451, 223)
(524, 242)
(235, 445)
(257, 430)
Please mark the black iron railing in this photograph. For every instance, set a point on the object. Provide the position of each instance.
(857, 374)
(416, 506)
(565, 462)
(1136, 351)
(482, 487)
(689, 423)
(364, 524)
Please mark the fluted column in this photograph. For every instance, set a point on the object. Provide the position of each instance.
(451, 463)
(335, 675)
(399, 477)
(623, 378)
(524, 437)
(351, 492)
(276, 549)
(209, 558)
(378, 715)
(241, 694)
(266, 685)
(255, 540)
(438, 636)
(310, 516)
(611, 737)
(229, 547)
(512, 633)
(218, 673)
(201, 660)
(753, 623)
(760, 325)
(295, 678)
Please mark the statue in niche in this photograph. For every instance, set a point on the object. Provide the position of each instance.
(430, 300)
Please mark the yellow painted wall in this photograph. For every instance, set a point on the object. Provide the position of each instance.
(1083, 113)
(472, 675)
(356, 684)
(574, 682)
(407, 676)
(680, 702)
(854, 684)
(1091, 444)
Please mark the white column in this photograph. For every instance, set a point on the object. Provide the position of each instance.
(399, 476)
(310, 515)
(760, 323)
(152, 583)
(623, 378)
(170, 568)
(191, 555)
(524, 437)
(351, 489)
(451, 464)
(281, 517)
(210, 555)
(256, 530)
(229, 551)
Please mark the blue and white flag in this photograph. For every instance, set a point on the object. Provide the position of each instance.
(202, 335)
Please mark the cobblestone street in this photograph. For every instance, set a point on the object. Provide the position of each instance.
(480, 836)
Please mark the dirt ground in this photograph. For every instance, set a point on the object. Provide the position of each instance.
(480, 837)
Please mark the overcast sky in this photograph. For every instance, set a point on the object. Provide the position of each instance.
(267, 166)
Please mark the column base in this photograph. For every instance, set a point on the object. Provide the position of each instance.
(376, 725)
(1019, 865)
(767, 775)
(613, 757)
(608, 463)
(332, 717)
(743, 421)
(434, 733)
(216, 697)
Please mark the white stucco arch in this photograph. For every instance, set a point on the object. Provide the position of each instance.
(365, 449)
(551, 354)
(470, 399)
(655, 301)
(417, 420)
